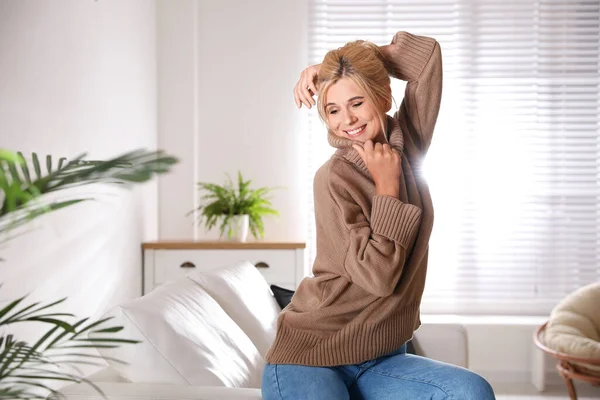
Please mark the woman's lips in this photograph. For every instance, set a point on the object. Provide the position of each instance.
(356, 132)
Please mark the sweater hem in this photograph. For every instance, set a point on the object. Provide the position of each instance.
(353, 344)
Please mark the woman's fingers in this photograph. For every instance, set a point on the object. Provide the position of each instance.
(311, 84)
(305, 89)
(306, 98)
(313, 74)
(308, 95)
(301, 95)
(297, 96)
(378, 149)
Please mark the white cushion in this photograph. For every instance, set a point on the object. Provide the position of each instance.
(245, 295)
(574, 325)
(187, 339)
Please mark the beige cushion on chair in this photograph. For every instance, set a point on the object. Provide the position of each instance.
(574, 325)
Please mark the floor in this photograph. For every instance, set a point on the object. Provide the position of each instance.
(555, 392)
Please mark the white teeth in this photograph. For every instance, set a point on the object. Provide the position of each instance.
(355, 131)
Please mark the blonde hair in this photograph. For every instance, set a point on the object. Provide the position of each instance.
(363, 63)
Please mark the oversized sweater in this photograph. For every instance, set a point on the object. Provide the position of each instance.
(369, 272)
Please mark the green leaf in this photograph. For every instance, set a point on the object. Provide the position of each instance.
(20, 189)
(61, 162)
(108, 340)
(52, 321)
(90, 326)
(8, 155)
(8, 308)
(24, 168)
(49, 163)
(90, 346)
(24, 312)
(36, 166)
(12, 167)
(110, 330)
(22, 394)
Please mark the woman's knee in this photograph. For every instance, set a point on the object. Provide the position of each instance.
(470, 386)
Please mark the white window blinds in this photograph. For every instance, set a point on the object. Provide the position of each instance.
(514, 164)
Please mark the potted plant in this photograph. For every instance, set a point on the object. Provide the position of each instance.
(237, 210)
(27, 369)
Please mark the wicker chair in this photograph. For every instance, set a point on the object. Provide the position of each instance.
(572, 336)
(569, 367)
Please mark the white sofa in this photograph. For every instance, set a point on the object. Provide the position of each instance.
(204, 337)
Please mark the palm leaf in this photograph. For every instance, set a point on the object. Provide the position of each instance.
(36, 166)
(9, 307)
(28, 312)
(18, 190)
(24, 168)
(23, 366)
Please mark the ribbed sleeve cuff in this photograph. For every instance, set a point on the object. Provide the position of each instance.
(395, 220)
(409, 55)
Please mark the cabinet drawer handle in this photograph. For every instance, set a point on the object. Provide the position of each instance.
(261, 264)
(187, 264)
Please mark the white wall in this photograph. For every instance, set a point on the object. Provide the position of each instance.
(226, 73)
(80, 76)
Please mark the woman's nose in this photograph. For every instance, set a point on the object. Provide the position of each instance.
(350, 118)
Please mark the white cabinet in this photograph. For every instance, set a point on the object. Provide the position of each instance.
(281, 264)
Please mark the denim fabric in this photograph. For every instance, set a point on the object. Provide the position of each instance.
(397, 376)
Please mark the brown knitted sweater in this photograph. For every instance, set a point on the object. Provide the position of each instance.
(369, 273)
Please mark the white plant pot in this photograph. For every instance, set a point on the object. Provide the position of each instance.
(239, 225)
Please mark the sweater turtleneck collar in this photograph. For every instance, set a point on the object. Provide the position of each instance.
(344, 145)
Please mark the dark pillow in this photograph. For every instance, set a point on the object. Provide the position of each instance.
(283, 296)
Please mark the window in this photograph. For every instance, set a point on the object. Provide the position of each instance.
(514, 164)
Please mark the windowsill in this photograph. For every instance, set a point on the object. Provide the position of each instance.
(522, 320)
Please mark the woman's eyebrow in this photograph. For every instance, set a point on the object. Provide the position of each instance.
(355, 98)
(350, 100)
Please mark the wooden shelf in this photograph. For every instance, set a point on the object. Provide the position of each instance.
(220, 245)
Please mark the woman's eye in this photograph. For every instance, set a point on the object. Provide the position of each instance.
(357, 104)
(333, 112)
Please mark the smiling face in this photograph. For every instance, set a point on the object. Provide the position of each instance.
(350, 113)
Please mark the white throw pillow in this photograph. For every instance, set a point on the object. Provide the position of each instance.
(245, 295)
(187, 339)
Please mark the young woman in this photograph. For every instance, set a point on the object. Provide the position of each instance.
(343, 335)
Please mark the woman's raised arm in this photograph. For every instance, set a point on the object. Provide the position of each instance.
(418, 60)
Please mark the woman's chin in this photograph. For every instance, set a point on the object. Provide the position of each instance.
(360, 138)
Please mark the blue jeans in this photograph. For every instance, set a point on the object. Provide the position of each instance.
(397, 376)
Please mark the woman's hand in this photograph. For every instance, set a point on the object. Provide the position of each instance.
(385, 166)
(306, 87)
